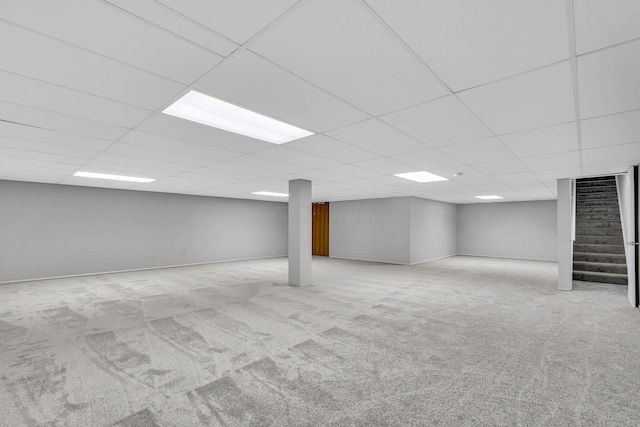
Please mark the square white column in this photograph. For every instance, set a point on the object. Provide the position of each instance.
(565, 232)
(300, 232)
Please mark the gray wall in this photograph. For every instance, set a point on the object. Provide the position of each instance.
(55, 230)
(433, 231)
(510, 229)
(371, 230)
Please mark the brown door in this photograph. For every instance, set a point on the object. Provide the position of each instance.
(320, 229)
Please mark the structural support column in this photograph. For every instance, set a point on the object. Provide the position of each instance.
(300, 232)
(565, 235)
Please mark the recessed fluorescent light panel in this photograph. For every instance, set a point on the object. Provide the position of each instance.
(420, 176)
(204, 109)
(269, 193)
(112, 177)
(491, 197)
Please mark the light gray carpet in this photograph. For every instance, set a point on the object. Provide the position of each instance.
(459, 341)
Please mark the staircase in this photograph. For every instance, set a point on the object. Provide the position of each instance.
(598, 251)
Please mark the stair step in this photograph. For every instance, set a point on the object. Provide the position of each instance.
(584, 203)
(597, 189)
(599, 249)
(599, 240)
(596, 257)
(590, 231)
(580, 216)
(592, 276)
(590, 210)
(597, 196)
(595, 183)
(588, 223)
(600, 267)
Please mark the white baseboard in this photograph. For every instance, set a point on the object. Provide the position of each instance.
(433, 259)
(138, 269)
(509, 257)
(368, 260)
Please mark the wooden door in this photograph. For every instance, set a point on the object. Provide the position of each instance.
(320, 229)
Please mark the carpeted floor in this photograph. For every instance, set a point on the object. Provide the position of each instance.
(459, 341)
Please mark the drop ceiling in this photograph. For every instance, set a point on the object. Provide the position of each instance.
(513, 95)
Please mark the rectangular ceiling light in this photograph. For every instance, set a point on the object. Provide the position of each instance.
(113, 177)
(270, 193)
(204, 109)
(420, 176)
(491, 197)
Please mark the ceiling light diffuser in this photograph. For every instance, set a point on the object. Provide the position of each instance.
(204, 109)
(112, 177)
(420, 176)
(270, 193)
(491, 197)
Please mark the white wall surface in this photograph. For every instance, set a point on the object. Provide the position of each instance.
(55, 230)
(509, 229)
(371, 230)
(433, 230)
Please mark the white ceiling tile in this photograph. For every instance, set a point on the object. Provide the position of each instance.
(165, 17)
(341, 47)
(378, 137)
(315, 176)
(439, 122)
(32, 133)
(136, 151)
(46, 147)
(267, 163)
(427, 159)
(552, 139)
(538, 98)
(19, 160)
(236, 170)
(101, 183)
(471, 179)
(553, 174)
(608, 80)
(483, 190)
(163, 143)
(116, 167)
(295, 157)
(501, 167)
(324, 146)
(625, 153)
(611, 130)
(604, 23)
(471, 43)
(237, 20)
(539, 194)
(20, 169)
(352, 171)
(247, 80)
(196, 179)
(43, 58)
(569, 159)
(481, 151)
(514, 179)
(392, 182)
(30, 177)
(605, 169)
(135, 42)
(33, 93)
(169, 185)
(58, 122)
(173, 127)
(122, 159)
(386, 165)
(41, 156)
